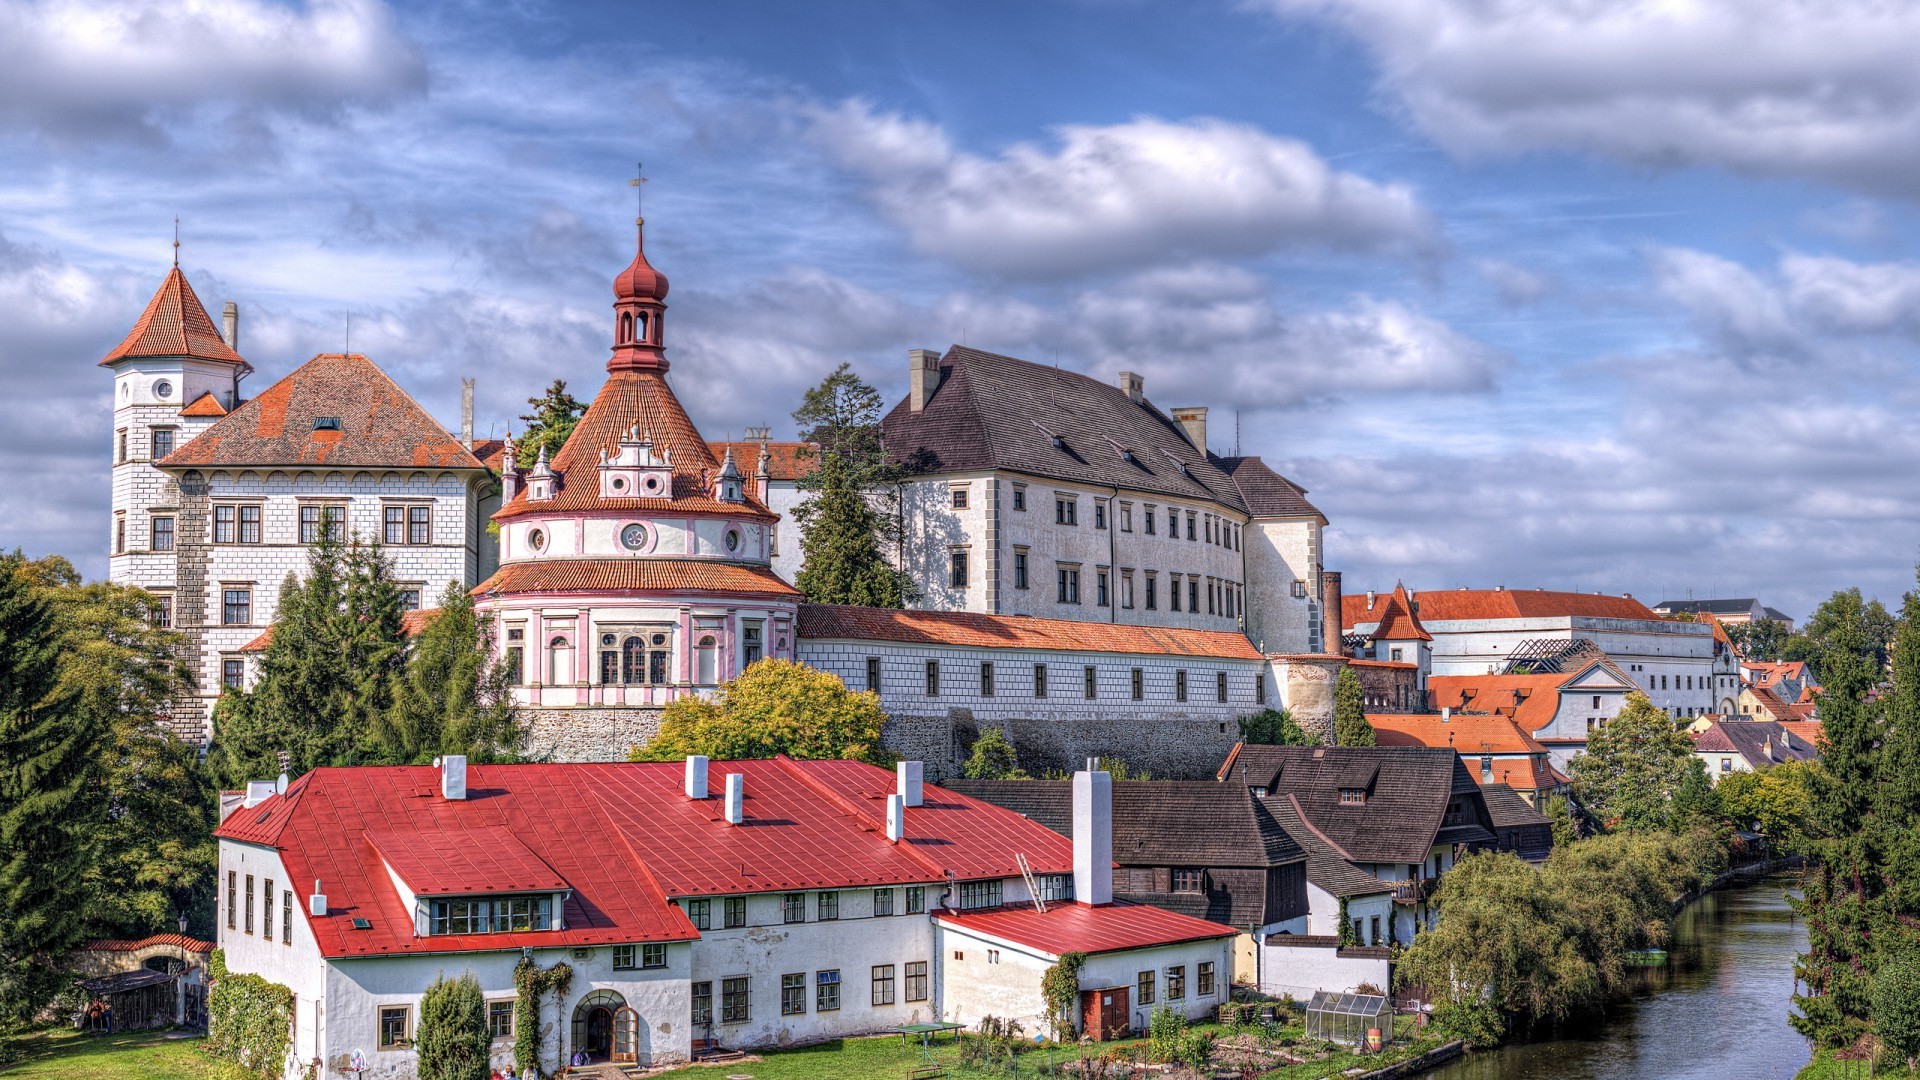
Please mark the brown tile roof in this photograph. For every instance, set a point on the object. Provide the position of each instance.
(175, 324)
(1408, 789)
(1444, 605)
(634, 575)
(996, 412)
(205, 405)
(643, 401)
(1397, 622)
(379, 425)
(1464, 733)
(1760, 742)
(1327, 867)
(1267, 493)
(821, 621)
(785, 460)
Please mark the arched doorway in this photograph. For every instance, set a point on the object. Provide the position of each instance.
(593, 1023)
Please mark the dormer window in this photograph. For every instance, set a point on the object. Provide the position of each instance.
(491, 915)
(1353, 796)
(326, 423)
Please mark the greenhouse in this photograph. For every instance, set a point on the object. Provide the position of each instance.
(1346, 1018)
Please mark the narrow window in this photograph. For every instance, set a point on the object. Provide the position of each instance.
(826, 992)
(286, 917)
(249, 926)
(1179, 686)
(736, 1005)
(1259, 689)
(883, 984)
(1220, 686)
(1139, 684)
(1192, 518)
(1173, 592)
(1020, 569)
(1147, 518)
(700, 913)
(702, 1004)
(827, 906)
(957, 570)
(1193, 594)
(120, 451)
(1173, 523)
(1126, 589)
(753, 644)
(266, 908)
(1100, 588)
(1152, 588)
(917, 981)
(708, 655)
(1099, 514)
(873, 674)
(163, 534)
(916, 899)
(249, 524)
(223, 517)
(119, 533)
(986, 678)
(1019, 496)
(233, 889)
(393, 525)
(1090, 687)
(793, 907)
(1039, 680)
(933, 678)
(1126, 518)
(793, 993)
(1177, 980)
(882, 902)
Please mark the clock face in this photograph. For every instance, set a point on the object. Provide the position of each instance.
(634, 537)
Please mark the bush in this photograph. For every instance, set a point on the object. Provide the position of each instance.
(1166, 1032)
(1896, 1006)
(452, 1035)
(1474, 1022)
(249, 1020)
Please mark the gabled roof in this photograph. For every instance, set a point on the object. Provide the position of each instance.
(785, 460)
(642, 401)
(1529, 700)
(175, 324)
(205, 405)
(378, 425)
(1397, 621)
(1267, 493)
(1760, 742)
(1075, 927)
(845, 621)
(1327, 867)
(1469, 605)
(1464, 733)
(996, 412)
(641, 575)
(1158, 822)
(1408, 791)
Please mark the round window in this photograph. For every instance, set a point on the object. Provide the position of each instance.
(659, 639)
(163, 389)
(537, 540)
(606, 639)
(633, 537)
(652, 484)
(619, 483)
(733, 539)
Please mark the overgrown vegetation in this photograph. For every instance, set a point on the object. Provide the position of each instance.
(1639, 771)
(775, 707)
(848, 522)
(1350, 727)
(452, 1034)
(1060, 986)
(249, 1020)
(531, 982)
(1275, 727)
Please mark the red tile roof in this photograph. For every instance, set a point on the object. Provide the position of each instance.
(623, 836)
(636, 400)
(1445, 605)
(490, 452)
(173, 941)
(784, 460)
(205, 405)
(825, 621)
(1465, 733)
(634, 575)
(1521, 774)
(379, 425)
(1076, 927)
(175, 324)
(411, 623)
(1528, 700)
(1397, 622)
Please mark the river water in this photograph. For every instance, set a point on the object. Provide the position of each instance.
(1719, 1009)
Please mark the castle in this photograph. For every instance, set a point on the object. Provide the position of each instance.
(1090, 577)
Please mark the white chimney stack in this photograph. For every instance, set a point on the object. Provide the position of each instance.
(736, 798)
(230, 324)
(1193, 421)
(696, 776)
(317, 903)
(466, 413)
(896, 818)
(1446, 714)
(1093, 837)
(258, 791)
(909, 788)
(453, 776)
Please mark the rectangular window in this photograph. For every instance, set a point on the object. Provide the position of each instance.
(120, 452)
(1126, 517)
(933, 678)
(1143, 988)
(1259, 689)
(1153, 601)
(882, 902)
(163, 611)
(917, 981)
(1191, 519)
(393, 1027)
(1147, 518)
(1139, 684)
(494, 915)
(1177, 983)
(1099, 514)
(986, 678)
(1596, 701)
(393, 525)
(826, 991)
(883, 984)
(266, 908)
(1055, 887)
(700, 913)
(793, 988)
(1187, 881)
(1353, 796)
(317, 520)
(1065, 511)
(249, 926)
(1039, 680)
(162, 534)
(1374, 922)
(1173, 523)
(249, 524)
(1019, 569)
(624, 958)
(500, 1019)
(793, 907)
(1126, 589)
(233, 674)
(1220, 686)
(753, 645)
(410, 598)
(957, 570)
(873, 674)
(653, 956)
(979, 894)
(517, 665)
(916, 899)
(736, 1005)
(1019, 496)
(827, 906)
(419, 524)
(1100, 597)
(233, 889)
(702, 1003)
(1069, 582)
(1089, 682)
(286, 917)
(1179, 686)
(959, 498)
(1203, 979)
(223, 518)
(1193, 594)
(1173, 592)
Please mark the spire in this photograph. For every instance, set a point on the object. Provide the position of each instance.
(639, 305)
(175, 324)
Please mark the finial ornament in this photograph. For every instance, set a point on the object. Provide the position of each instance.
(638, 184)
(176, 243)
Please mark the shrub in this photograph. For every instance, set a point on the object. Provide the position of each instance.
(249, 1020)
(452, 1035)
(1474, 1022)
(1166, 1031)
(1896, 1006)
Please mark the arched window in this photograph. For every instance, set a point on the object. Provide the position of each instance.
(709, 657)
(559, 662)
(640, 326)
(633, 661)
(626, 327)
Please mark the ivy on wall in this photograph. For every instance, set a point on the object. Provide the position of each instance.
(1347, 936)
(531, 980)
(1061, 987)
(249, 1020)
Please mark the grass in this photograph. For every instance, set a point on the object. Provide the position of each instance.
(1825, 1066)
(65, 1054)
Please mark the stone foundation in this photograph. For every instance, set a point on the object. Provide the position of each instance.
(587, 734)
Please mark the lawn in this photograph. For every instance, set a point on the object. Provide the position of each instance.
(64, 1054)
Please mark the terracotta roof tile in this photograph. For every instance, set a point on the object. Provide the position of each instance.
(639, 575)
(784, 459)
(174, 324)
(1464, 733)
(1076, 927)
(827, 621)
(174, 941)
(205, 405)
(379, 426)
(1397, 621)
(411, 623)
(1448, 605)
(1528, 700)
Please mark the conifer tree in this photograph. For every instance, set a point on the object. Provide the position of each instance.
(48, 770)
(1350, 727)
(847, 524)
(549, 424)
(1897, 792)
(452, 698)
(453, 1041)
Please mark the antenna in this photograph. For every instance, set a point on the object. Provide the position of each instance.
(347, 346)
(1236, 433)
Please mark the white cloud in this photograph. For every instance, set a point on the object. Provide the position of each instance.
(1826, 89)
(1809, 306)
(79, 69)
(1114, 197)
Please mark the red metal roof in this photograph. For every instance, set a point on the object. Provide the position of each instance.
(634, 575)
(822, 621)
(175, 324)
(1448, 605)
(1076, 927)
(463, 859)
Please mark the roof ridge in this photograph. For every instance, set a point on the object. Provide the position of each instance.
(1299, 811)
(879, 826)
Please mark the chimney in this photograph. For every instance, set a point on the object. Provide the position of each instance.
(258, 791)
(923, 377)
(1134, 386)
(453, 776)
(909, 773)
(1194, 420)
(696, 776)
(466, 413)
(1446, 714)
(736, 798)
(1330, 616)
(1093, 837)
(230, 325)
(317, 903)
(896, 818)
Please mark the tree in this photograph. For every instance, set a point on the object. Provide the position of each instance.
(549, 424)
(1350, 727)
(1566, 826)
(453, 696)
(1274, 727)
(993, 758)
(1636, 768)
(774, 707)
(848, 522)
(1778, 800)
(1760, 640)
(452, 1036)
(48, 771)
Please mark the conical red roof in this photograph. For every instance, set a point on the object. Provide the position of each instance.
(1397, 621)
(175, 324)
(640, 281)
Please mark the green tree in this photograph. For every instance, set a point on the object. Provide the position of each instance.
(452, 1037)
(1896, 1004)
(774, 707)
(1274, 727)
(1566, 826)
(49, 768)
(848, 521)
(1636, 768)
(453, 696)
(1350, 727)
(993, 758)
(1760, 640)
(1778, 799)
(549, 424)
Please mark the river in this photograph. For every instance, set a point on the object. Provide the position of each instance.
(1719, 1009)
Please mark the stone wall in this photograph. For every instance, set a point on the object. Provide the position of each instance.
(1173, 746)
(587, 734)
(1306, 684)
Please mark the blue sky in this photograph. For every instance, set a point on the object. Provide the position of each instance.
(1569, 293)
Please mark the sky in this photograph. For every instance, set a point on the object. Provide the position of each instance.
(1583, 294)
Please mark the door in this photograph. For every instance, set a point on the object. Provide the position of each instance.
(599, 1033)
(626, 1037)
(1104, 1013)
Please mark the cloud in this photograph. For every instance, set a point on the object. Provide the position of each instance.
(84, 69)
(1114, 197)
(1820, 89)
(1809, 307)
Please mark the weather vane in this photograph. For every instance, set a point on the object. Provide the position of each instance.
(639, 193)
(176, 241)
